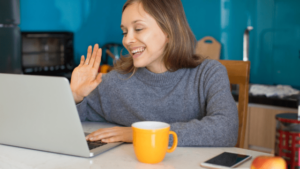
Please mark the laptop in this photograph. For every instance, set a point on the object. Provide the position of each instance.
(39, 112)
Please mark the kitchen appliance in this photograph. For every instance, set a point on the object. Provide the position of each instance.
(115, 50)
(287, 144)
(110, 53)
(47, 53)
(10, 37)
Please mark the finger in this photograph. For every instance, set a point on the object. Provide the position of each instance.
(98, 132)
(95, 51)
(92, 134)
(88, 56)
(101, 132)
(98, 59)
(81, 60)
(98, 79)
(112, 139)
(102, 136)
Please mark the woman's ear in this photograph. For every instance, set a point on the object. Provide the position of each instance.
(167, 39)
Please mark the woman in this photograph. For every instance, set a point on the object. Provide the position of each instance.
(161, 80)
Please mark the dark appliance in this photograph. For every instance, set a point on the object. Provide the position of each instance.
(10, 37)
(111, 52)
(47, 53)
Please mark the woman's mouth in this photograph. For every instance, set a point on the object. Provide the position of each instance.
(137, 52)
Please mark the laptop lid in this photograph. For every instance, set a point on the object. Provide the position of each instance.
(40, 113)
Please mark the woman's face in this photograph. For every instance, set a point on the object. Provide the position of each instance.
(143, 38)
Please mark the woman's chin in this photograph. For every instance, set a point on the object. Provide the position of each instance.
(138, 64)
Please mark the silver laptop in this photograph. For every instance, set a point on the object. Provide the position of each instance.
(39, 112)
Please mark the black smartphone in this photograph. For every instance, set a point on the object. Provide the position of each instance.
(226, 160)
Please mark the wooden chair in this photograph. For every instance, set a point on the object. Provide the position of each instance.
(238, 73)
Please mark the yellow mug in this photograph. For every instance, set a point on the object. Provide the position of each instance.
(151, 139)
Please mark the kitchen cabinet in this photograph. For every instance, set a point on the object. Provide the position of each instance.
(261, 126)
(286, 49)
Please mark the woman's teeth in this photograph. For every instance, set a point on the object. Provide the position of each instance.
(139, 50)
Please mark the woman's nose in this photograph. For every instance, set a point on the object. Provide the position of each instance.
(129, 38)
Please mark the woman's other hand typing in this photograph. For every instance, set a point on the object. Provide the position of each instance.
(110, 135)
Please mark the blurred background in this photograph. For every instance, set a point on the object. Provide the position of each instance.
(274, 42)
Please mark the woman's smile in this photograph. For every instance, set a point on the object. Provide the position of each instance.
(137, 51)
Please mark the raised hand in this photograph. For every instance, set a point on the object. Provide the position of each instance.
(85, 77)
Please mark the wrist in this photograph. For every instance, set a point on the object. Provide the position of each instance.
(76, 97)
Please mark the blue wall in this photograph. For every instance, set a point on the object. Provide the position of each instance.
(91, 21)
(274, 41)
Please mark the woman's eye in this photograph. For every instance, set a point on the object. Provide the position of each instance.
(125, 33)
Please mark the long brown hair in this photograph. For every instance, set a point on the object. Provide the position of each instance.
(170, 17)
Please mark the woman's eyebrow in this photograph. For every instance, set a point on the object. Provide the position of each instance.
(133, 22)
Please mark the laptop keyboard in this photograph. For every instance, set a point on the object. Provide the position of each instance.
(95, 144)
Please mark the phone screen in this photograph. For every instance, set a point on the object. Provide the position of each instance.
(227, 159)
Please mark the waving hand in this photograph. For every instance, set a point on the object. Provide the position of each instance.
(85, 77)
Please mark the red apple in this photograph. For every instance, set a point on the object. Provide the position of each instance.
(268, 162)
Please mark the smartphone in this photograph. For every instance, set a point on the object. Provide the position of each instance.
(225, 160)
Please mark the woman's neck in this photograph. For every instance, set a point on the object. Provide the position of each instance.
(159, 79)
(158, 70)
(157, 67)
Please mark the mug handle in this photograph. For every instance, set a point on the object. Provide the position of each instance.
(175, 141)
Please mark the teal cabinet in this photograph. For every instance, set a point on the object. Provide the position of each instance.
(286, 44)
(274, 46)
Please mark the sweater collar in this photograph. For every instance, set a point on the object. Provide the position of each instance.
(159, 79)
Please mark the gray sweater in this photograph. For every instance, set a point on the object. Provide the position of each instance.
(196, 102)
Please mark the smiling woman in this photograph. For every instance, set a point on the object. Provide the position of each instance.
(163, 35)
(143, 38)
(161, 80)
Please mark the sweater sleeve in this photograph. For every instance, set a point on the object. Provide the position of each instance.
(219, 125)
(91, 109)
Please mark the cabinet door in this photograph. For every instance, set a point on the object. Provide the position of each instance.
(262, 126)
(286, 44)
(10, 12)
(10, 48)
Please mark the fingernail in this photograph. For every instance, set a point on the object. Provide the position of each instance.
(91, 138)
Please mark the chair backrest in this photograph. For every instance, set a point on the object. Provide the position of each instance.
(238, 73)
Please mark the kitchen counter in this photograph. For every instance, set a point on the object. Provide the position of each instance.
(287, 102)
